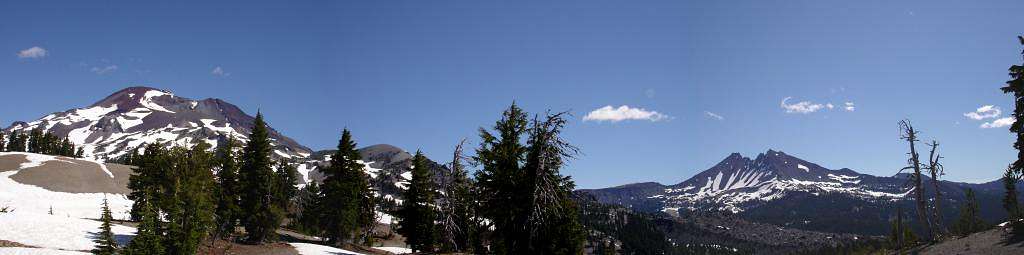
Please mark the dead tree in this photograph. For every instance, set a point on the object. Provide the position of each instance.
(936, 170)
(908, 133)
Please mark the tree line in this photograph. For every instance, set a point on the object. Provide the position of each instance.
(517, 202)
(39, 141)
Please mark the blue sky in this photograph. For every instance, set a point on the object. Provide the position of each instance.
(424, 74)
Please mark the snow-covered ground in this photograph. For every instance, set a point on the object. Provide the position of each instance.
(315, 249)
(36, 251)
(54, 232)
(33, 199)
(395, 250)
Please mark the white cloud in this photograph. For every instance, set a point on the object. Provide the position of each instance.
(103, 70)
(803, 107)
(849, 107)
(34, 52)
(714, 115)
(218, 71)
(998, 123)
(830, 106)
(612, 114)
(984, 112)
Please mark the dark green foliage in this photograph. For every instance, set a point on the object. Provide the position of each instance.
(3, 142)
(149, 169)
(347, 204)
(1016, 170)
(105, 243)
(261, 216)
(148, 239)
(177, 183)
(43, 143)
(308, 211)
(970, 218)
(901, 237)
(285, 179)
(228, 211)
(417, 215)
(521, 189)
(500, 156)
(17, 141)
(189, 205)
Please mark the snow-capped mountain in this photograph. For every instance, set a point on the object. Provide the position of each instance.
(781, 189)
(130, 117)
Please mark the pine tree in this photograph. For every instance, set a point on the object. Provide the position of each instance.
(286, 177)
(522, 191)
(417, 214)
(970, 217)
(105, 243)
(1016, 86)
(190, 207)
(148, 238)
(553, 225)
(149, 168)
(227, 192)
(309, 210)
(499, 189)
(3, 142)
(35, 139)
(261, 216)
(455, 214)
(347, 198)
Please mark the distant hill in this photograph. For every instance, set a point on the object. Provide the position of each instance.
(784, 190)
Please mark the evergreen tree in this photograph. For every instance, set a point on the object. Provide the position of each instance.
(190, 207)
(309, 210)
(417, 214)
(522, 191)
(286, 177)
(552, 224)
(3, 142)
(347, 205)
(970, 218)
(148, 238)
(1015, 86)
(105, 243)
(261, 216)
(35, 139)
(501, 200)
(17, 141)
(455, 214)
(227, 192)
(149, 168)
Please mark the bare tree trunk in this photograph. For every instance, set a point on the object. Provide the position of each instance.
(936, 169)
(910, 135)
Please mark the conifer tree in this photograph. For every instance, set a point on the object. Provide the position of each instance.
(455, 214)
(502, 202)
(552, 221)
(286, 177)
(148, 238)
(105, 243)
(309, 210)
(347, 198)
(190, 206)
(970, 217)
(149, 168)
(35, 139)
(261, 216)
(1016, 170)
(417, 214)
(3, 142)
(227, 210)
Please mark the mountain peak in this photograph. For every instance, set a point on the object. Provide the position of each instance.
(140, 115)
